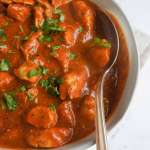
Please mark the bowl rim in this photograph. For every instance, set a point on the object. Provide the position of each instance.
(113, 8)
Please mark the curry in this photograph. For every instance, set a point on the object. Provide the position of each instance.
(52, 54)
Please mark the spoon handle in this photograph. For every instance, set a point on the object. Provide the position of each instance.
(100, 119)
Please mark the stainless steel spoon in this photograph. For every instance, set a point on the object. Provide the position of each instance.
(101, 137)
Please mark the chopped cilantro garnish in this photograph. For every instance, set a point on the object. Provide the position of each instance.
(59, 12)
(3, 35)
(97, 40)
(33, 72)
(45, 38)
(4, 65)
(41, 70)
(72, 56)
(52, 107)
(1, 32)
(62, 17)
(80, 29)
(30, 97)
(56, 28)
(22, 88)
(51, 25)
(54, 48)
(52, 85)
(10, 102)
(102, 42)
(44, 83)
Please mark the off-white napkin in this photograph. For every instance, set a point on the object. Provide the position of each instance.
(143, 46)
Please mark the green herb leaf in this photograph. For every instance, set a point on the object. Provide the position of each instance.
(45, 38)
(51, 25)
(32, 73)
(52, 107)
(62, 17)
(55, 48)
(97, 40)
(59, 12)
(53, 90)
(30, 97)
(44, 83)
(52, 85)
(102, 43)
(80, 29)
(4, 65)
(56, 28)
(72, 56)
(43, 70)
(1, 32)
(23, 88)
(3, 35)
(10, 102)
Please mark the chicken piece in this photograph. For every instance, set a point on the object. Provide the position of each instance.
(100, 56)
(39, 16)
(53, 66)
(44, 3)
(32, 94)
(62, 55)
(4, 21)
(71, 33)
(66, 114)
(27, 2)
(22, 100)
(74, 83)
(26, 97)
(28, 72)
(88, 108)
(18, 11)
(86, 15)
(5, 80)
(48, 8)
(6, 1)
(58, 3)
(49, 138)
(30, 47)
(42, 117)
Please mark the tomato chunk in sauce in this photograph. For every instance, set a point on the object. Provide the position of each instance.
(52, 54)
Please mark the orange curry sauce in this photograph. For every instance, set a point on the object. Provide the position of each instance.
(51, 56)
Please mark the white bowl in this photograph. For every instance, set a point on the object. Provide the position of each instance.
(122, 107)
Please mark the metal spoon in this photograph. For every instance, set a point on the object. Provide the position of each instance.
(101, 137)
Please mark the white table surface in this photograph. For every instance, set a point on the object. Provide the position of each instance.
(133, 132)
